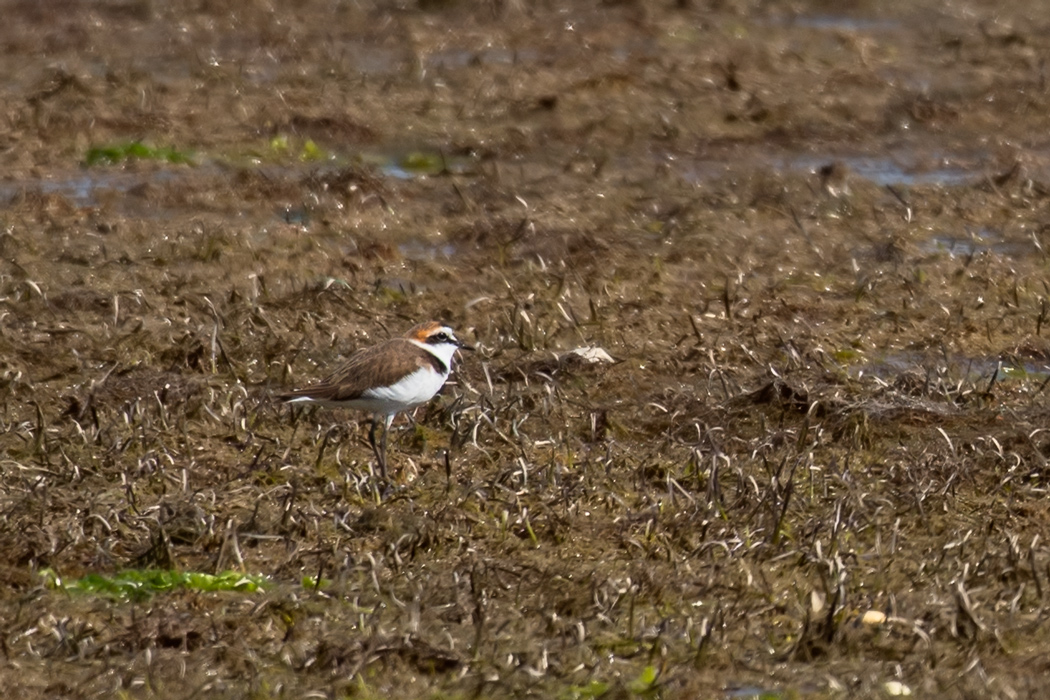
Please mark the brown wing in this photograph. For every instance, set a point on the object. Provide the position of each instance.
(379, 365)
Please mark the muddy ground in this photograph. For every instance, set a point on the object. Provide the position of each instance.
(812, 237)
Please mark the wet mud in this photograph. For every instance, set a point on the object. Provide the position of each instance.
(759, 297)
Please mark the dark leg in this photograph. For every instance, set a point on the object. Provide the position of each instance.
(386, 431)
(380, 456)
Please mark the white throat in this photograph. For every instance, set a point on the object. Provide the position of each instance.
(442, 351)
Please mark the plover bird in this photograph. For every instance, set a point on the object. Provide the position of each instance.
(396, 375)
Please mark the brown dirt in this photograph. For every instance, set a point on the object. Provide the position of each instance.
(814, 241)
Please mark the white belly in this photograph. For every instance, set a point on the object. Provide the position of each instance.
(411, 391)
(415, 389)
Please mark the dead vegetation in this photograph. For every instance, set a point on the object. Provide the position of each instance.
(816, 464)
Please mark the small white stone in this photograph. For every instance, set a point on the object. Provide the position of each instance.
(896, 689)
(873, 617)
(593, 355)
